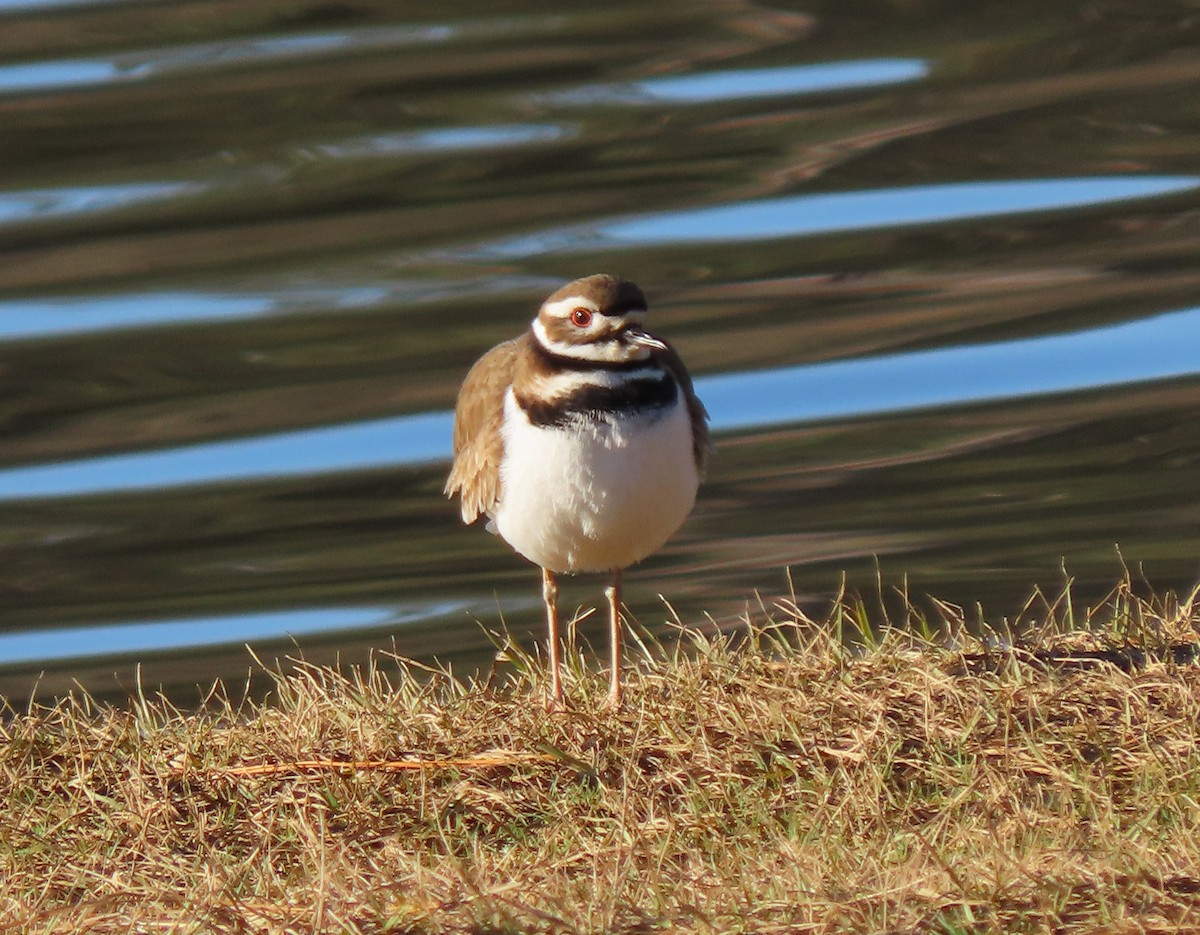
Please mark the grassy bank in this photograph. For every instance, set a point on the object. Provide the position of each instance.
(780, 780)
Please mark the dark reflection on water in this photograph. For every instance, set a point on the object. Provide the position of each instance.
(936, 274)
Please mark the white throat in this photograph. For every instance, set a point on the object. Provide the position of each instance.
(610, 351)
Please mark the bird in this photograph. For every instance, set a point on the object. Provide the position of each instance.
(583, 443)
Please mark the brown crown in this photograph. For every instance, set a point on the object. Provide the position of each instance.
(612, 295)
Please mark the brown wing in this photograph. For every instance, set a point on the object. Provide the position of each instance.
(478, 445)
(702, 445)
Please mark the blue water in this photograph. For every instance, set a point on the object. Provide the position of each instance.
(935, 278)
(63, 202)
(820, 78)
(809, 215)
(1159, 348)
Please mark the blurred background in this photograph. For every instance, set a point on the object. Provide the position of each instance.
(936, 267)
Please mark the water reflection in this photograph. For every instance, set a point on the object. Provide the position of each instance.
(47, 318)
(22, 6)
(449, 139)
(262, 49)
(146, 64)
(709, 87)
(808, 215)
(58, 644)
(43, 204)
(1161, 347)
(33, 318)
(407, 439)
(45, 75)
(921, 264)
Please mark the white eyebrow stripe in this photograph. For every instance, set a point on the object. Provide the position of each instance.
(561, 308)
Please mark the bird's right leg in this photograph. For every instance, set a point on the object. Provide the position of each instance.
(550, 596)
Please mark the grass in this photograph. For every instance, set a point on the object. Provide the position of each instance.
(795, 776)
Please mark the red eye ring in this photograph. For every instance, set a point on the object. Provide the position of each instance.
(581, 317)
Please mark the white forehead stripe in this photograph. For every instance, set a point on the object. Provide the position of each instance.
(562, 308)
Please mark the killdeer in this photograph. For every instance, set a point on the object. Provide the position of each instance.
(583, 442)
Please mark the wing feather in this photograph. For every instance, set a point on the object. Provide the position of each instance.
(478, 443)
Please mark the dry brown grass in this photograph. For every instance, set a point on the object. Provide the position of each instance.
(781, 780)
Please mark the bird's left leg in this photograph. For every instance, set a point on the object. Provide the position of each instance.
(613, 593)
(550, 597)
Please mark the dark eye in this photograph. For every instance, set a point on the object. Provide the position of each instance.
(581, 317)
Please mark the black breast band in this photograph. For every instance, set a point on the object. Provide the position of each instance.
(594, 403)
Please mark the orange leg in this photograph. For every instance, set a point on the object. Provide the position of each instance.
(613, 593)
(550, 596)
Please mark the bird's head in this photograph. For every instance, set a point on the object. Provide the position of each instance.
(598, 318)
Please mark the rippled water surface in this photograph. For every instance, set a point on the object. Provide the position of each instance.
(936, 270)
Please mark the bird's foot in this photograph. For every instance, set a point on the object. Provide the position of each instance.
(612, 701)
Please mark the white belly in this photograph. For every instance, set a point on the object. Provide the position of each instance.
(597, 498)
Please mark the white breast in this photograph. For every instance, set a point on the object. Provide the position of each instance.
(597, 496)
